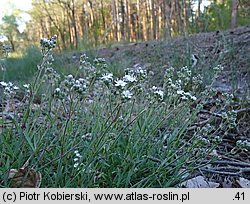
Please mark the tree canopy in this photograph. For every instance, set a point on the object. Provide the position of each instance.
(9, 29)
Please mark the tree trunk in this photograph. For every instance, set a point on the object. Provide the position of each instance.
(185, 19)
(235, 5)
(118, 21)
(74, 23)
(156, 20)
(144, 23)
(127, 20)
(103, 16)
(122, 20)
(114, 19)
(153, 16)
(138, 15)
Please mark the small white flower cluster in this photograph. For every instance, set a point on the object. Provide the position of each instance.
(202, 140)
(120, 84)
(100, 62)
(51, 75)
(218, 69)
(58, 93)
(217, 139)
(70, 85)
(206, 130)
(184, 75)
(122, 87)
(243, 145)
(175, 80)
(26, 86)
(135, 75)
(27, 89)
(131, 83)
(47, 61)
(141, 73)
(158, 94)
(48, 43)
(169, 73)
(80, 86)
(69, 81)
(197, 82)
(85, 65)
(87, 136)
(107, 78)
(77, 85)
(84, 61)
(9, 88)
(126, 87)
(130, 78)
(230, 117)
(186, 95)
(126, 94)
(171, 83)
(77, 158)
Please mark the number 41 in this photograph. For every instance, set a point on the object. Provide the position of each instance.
(240, 196)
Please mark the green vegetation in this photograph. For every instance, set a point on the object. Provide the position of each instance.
(148, 114)
(21, 69)
(95, 130)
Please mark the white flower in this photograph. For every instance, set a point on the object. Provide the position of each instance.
(180, 92)
(159, 93)
(193, 98)
(142, 73)
(70, 77)
(10, 84)
(129, 78)
(77, 82)
(87, 136)
(77, 158)
(120, 83)
(107, 77)
(78, 155)
(184, 98)
(7, 89)
(173, 86)
(81, 80)
(15, 88)
(27, 86)
(127, 94)
(187, 94)
(154, 88)
(140, 70)
(3, 83)
(120, 118)
(57, 90)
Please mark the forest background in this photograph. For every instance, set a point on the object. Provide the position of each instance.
(92, 23)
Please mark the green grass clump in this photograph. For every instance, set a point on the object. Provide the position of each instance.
(95, 130)
(21, 69)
